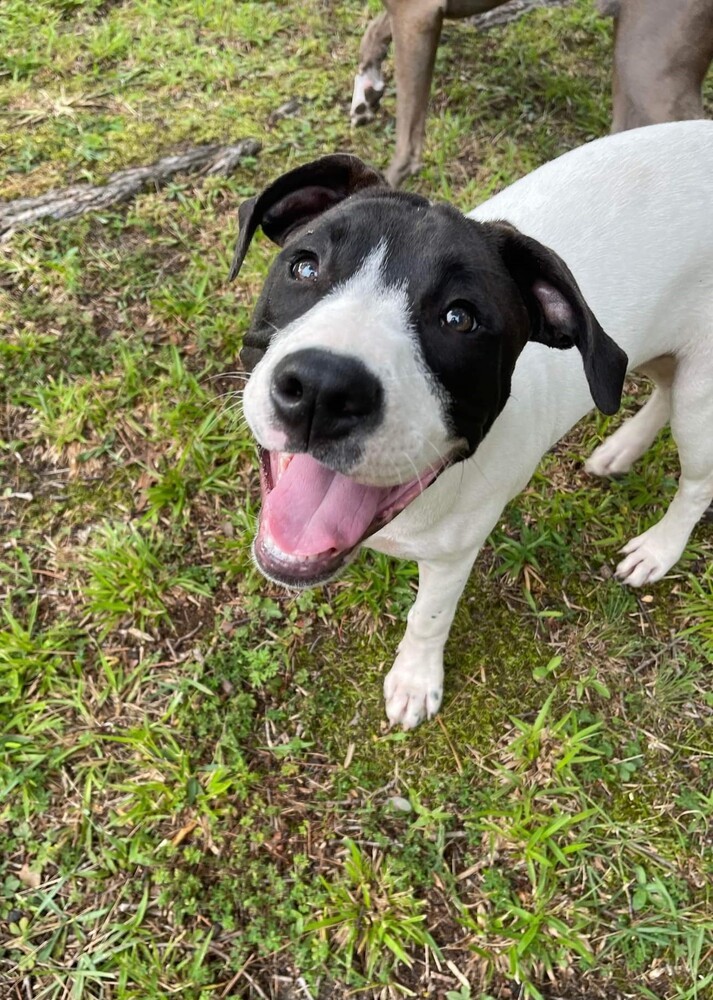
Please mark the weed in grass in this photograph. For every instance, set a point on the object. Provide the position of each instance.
(129, 576)
(171, 782)
(698, 605)
(65, 410)
(27, 650)
(377, 586)
(567, 744)
(208, 462)
(517, 555)
(372, 916)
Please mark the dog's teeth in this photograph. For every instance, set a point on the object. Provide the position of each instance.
(287, 557)
(283, 460)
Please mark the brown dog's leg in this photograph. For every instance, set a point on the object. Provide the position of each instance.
(662, 51)
(416, 27)
(369, 83)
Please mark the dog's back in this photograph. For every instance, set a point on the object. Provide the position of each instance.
(636, 268)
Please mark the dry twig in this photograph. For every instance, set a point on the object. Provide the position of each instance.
(121, 186)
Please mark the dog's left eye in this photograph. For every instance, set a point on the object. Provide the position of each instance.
(305, 268)
(459, 318)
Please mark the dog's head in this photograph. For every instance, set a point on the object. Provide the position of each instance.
(382, 349)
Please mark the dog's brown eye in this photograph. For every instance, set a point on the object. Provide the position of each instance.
(459, 318)
(305, 269)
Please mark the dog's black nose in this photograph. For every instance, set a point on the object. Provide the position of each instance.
(320, 397)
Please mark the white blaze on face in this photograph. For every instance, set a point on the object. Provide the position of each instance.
(366, 319)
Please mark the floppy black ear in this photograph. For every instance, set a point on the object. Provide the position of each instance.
(299, 196)
(560, 317)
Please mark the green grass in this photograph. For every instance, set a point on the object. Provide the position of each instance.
(199, 795)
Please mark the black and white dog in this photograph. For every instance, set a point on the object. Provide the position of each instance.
(403, 388)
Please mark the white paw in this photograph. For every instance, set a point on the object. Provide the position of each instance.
(368, 90)
(613, 457)
(412, 692)
(649, 557)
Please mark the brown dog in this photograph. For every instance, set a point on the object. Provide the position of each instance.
(662, 51)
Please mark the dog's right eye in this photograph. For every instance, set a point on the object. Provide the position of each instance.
(305, 268)
(459, 318)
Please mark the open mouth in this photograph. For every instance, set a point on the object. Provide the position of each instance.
(313, 519)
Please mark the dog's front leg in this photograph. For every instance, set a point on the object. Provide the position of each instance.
(369, 83)
(413, 688)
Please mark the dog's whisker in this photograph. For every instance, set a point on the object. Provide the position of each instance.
(275, 329)
(228, 408)
(210, 403)
(232, 409)
(243, 375)
(439, 454)
(411, 462)
(483, 473)
(230, 394)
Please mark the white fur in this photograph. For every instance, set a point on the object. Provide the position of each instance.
(632, 216)
(368, 88)
(366, 319)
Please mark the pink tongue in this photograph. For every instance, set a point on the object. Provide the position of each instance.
(313, 509)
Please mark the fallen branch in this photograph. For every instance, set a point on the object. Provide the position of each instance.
(121, 186)
(510, 12)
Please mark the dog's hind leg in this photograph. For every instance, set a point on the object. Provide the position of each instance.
(617, 454)
(662, 52)
(416, 25)
(413, 688)
(651, 555)
(369, 83)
